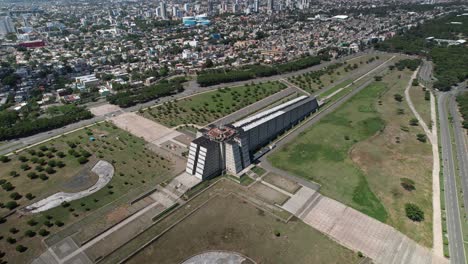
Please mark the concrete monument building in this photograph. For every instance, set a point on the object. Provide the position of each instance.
(231, 148)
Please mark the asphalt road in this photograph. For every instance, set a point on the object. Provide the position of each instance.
(461, 146)
(425, 72)
(456, 246)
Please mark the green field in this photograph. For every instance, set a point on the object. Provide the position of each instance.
(207, 107)
(317, 80)
(359, 153)
(135, 166)
(320, 154)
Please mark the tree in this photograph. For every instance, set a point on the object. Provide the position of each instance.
(15, 196)
(29, 196)
(29, 233)
(209, 63)
(421, 137)
(413, 212)
(21, 248)
(82, 160)
(414, 122)
(43, 232)
(7, 186)
(11, 205)
(378, 78)
(4, 159)
(398, 97)
(407, 184)
(14, 174)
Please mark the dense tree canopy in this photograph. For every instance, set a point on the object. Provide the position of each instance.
(212, 77)
(131, 97)
(451, 61)
(12, 126)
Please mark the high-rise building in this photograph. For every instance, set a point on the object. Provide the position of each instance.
(235, 8)
(6, 25)
(186, 7)
(256, 6)
(270, 5)
(163, 7)
(175, 11)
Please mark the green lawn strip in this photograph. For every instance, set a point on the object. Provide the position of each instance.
(207, 107)
(258, 170)
(321, 152)
(334, 89)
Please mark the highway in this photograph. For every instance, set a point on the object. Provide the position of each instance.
(454, 229)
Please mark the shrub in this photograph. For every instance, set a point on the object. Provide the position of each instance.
(82, 160)
(29, 196)
(11, 205)
(14, 174)
(29, 233)
(413, 212)
(7, 186)
(25, 167)
(398, 97)
(43, 177)
(13, 230)
(22, 158)
(32, 222)
(43, 232)
(4, 159)
(15, 196)
(59, 223)
(43, 148)
(414, 122)
(48, 223)
(32, 175)
(11, 240)
(50, 170)
(21, 248)
(421, 137)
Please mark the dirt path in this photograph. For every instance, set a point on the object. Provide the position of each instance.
(433, 139)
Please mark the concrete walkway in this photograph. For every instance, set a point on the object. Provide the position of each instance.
(433, 139)
(103, 169)
(357, 231)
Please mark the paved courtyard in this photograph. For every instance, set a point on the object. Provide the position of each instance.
(357, 231)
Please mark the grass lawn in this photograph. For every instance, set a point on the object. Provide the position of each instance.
(334, 74)
(134, 167)
(258, 170)
(207, 107)
(422, 105)
(235, 225)
(359, 153)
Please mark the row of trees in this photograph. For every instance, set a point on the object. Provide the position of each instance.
(132, 97)
(411, 64)
(14, 128)
(463, 105)
(213, 77)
